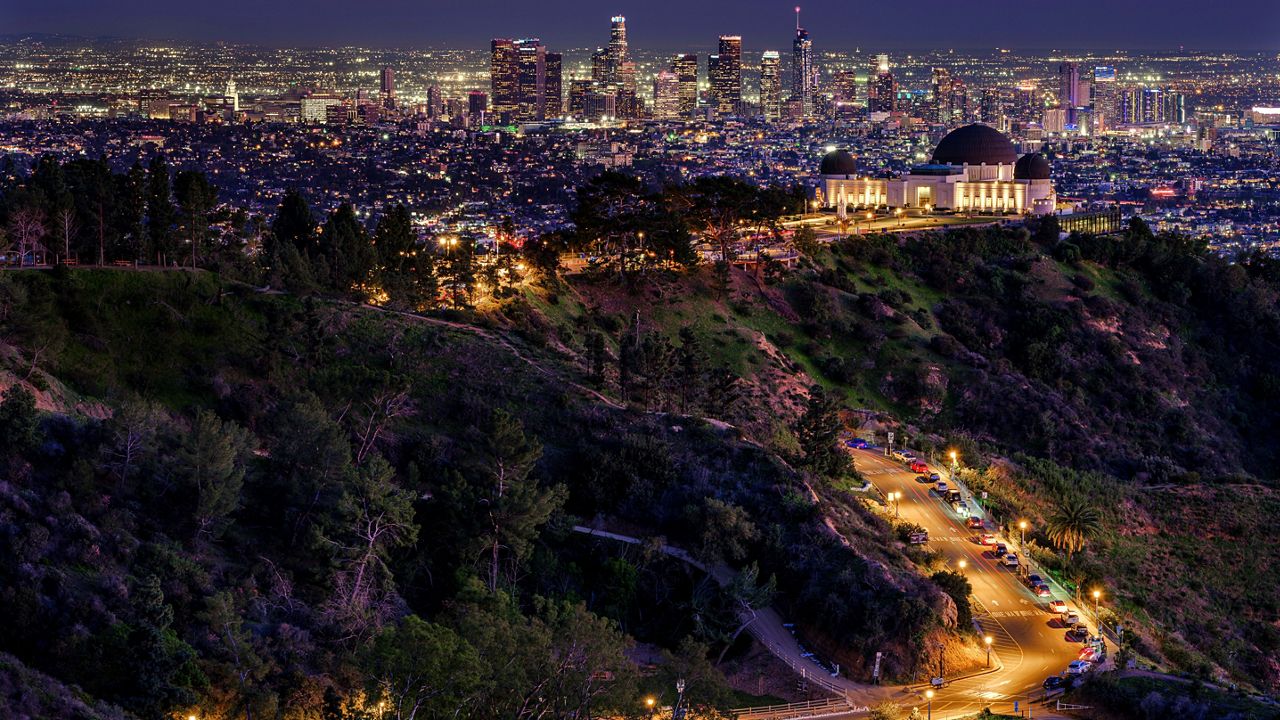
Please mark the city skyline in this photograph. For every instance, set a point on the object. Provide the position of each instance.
(571, 24)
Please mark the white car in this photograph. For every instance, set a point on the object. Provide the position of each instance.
(1011, 560)
(1071, 617)
(1079, 667)
(1057, 606)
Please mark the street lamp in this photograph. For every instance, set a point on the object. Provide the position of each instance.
(955, 459)
(1096, 620)
(1022, 532)
(963, 565)
(987, 641)
(928, 694)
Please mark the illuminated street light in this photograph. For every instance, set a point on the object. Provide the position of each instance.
(1096, 620)
(1022, 532)
(987, 641)
(928, 694)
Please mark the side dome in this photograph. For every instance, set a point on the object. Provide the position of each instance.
(975, 145)
(838, 162)
(1032, 166)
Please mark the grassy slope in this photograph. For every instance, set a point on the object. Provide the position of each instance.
(1151, 558)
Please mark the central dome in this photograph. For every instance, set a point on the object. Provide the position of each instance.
(838, 162)
(975, 145)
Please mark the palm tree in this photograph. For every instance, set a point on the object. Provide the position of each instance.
(1073, 525)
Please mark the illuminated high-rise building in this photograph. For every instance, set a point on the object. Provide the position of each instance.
(666, 95)
(388, 87)
(435, 102)
(942, 89)
(554, 86)
(771, 86)
(233, 95)
(1069, 85)
(685, 67)
(531, 65)
(619, 52)
(477, 105)
(882, 88)
(1106, 101)
(804, 79)
(725, 70)
(504, 77)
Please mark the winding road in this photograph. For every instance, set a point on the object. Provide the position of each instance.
(1029, 642)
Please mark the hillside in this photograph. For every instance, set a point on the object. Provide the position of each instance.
(267, 486)
(1138, 374)
(239, 445)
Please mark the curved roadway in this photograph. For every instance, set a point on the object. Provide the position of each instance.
(1030, 643)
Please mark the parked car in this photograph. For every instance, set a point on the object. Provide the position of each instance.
(1089, 654)
(942, 487)
(1057, 606)
(1071, 617)
(858, 444)
(1079, 667)
(1079, 632)
(935, 477)
(1000, 551)
(1034, 580)
(1042, 590)
(975, 523)
(919, 466)
(953, 495)
(961, 507)
(1055, 682)
(988, 539)
(1011, 560)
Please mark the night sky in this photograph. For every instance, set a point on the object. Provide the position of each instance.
(670, 24)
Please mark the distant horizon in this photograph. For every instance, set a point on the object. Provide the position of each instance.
(13, 38)
(1087, 25)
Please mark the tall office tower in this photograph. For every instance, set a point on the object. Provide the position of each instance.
(531, 71)
(477, 104)
(504, 77)
(578, 90)
(844, 92)
(685, 67)
(770, 86)
(992, 108)
(618, 51)
(435, 102)
(1105, 98)
(388, 87)
(599, 65)
(942, 88)
(666, 95)
(233, 96)
(1069, 85)
(554, 85)
(961, 110)
(726, 75)
(804, 79)
(882, 88)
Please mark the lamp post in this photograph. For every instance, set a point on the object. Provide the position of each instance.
(898, 213)
(987, 641)
(870, 216)
(1022, 532)
(1097, 620)
(928, 695)
(955, 460)
(963, 564)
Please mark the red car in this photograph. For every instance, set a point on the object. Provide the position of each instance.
(919, 466)
(974, 523)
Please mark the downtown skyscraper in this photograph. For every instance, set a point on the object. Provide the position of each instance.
(525, 80)
(685, 66)
(725, 71)
(882, 88)
(770, 86)
(804, 77)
